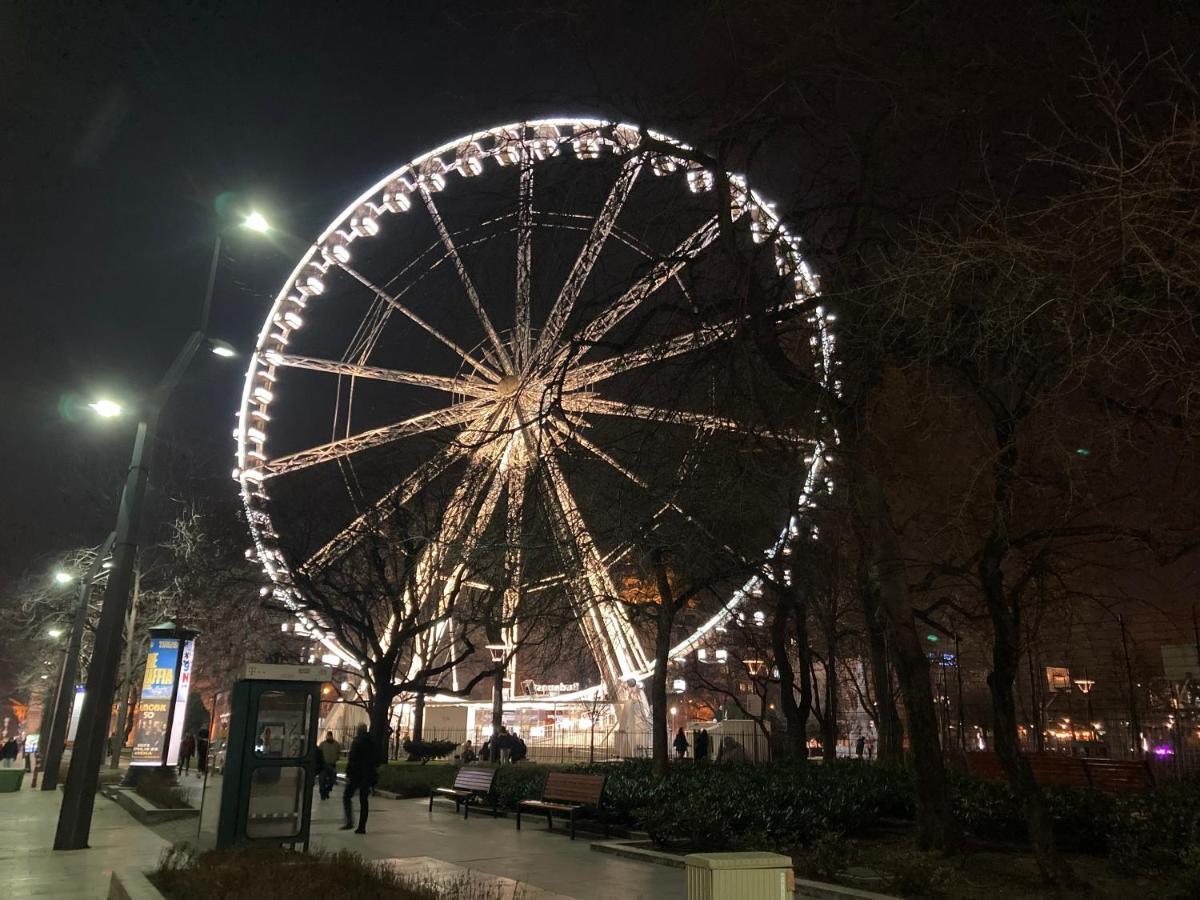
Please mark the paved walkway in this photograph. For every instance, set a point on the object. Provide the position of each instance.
(397, 828)
(548, 860)
(30, 868)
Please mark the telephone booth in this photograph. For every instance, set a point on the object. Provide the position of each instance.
(260, 783)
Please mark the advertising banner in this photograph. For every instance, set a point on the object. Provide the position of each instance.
(150, 735)
(76, 712)
(181, 698)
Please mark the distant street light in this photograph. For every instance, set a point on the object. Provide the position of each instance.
(222, 348)
(79, 794)
(63, 577)
(55, 632)
(106, 409)
(256, 222)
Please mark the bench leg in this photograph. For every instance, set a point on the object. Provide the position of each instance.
(549, 820)
(518, 817)
(431, 796)
(467, 808)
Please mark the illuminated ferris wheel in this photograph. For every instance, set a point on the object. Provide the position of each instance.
(517, 323)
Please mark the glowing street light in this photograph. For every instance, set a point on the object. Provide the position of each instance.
(221, 348)
(256, 222)
(61, 577)
(55, 632)
(106, 409)
(75, 813)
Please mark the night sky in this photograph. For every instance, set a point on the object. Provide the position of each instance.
(127, 126)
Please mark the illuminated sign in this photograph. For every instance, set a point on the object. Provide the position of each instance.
(163, 705)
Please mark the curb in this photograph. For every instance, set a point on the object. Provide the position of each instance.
(145, 811)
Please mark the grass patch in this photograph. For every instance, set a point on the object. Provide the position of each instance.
(275, 874)
(162, 791)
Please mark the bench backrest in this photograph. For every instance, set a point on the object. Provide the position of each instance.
(471, 778)
(1112, 775)
(1117, 775)
(567, 788)
(1063, 771)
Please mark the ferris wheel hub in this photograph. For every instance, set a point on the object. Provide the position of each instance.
(508, 385)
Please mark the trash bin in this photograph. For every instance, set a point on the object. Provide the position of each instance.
(738, 876)
(10, 780)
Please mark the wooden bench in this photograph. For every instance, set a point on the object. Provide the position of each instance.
(566, 795)
(1109, 775)
(471, 783)
(1118, 776)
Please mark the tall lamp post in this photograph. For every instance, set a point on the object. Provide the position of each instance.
(79, 795)
(69, 673)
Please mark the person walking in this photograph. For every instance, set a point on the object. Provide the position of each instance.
(362, 771)
(502, 746)
(186, 748)
(9, 752)
(702, 745)
(202, 752)
(681, 744)
(331, 752)
(859, 746)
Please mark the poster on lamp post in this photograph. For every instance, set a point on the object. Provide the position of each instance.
(159, 726)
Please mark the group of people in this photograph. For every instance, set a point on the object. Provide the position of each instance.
(193, 744)
(9, 752)
(502, 747)
(362, 774)
(702, 744)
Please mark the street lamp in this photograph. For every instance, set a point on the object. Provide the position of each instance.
(106, 409)
(68, 674)
(256, 222)
(63, 577)
(79, 795)
(55, 633)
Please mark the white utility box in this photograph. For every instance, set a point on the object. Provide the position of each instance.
(739, 876)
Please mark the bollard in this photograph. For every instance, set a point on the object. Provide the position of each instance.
(738, 876)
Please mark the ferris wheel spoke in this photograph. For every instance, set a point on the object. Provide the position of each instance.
(394, 302)
(586, 403)
(660, 273)
(590, 373)
(524, 260)
(572, 434)
(467, 386)
(616, 636)
(460, 414)
(592, 247)
(339, 545)
(465, 278)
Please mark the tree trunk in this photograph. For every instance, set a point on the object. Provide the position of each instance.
(379, 712)
(797, 724)
(829, 724)
(1006, 651)
(1005, 612)
(418, 728)
(890, 749)
(498, 701)
(804, 656)
(658, 689)
(936, 825)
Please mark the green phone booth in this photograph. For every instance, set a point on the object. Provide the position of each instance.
(264, 772)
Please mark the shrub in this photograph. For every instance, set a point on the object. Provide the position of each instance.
(162, 790)
(406, 780)
(921, 875)
(519, 782)
(424, 751)
(829, 854)
(274, 873)
(778, 806)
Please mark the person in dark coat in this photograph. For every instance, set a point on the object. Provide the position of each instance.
(681, 744)
(202, 751)
(519, 750)
(702, 745)
(362, 771)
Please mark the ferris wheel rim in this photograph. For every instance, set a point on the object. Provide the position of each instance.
(254, 496)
